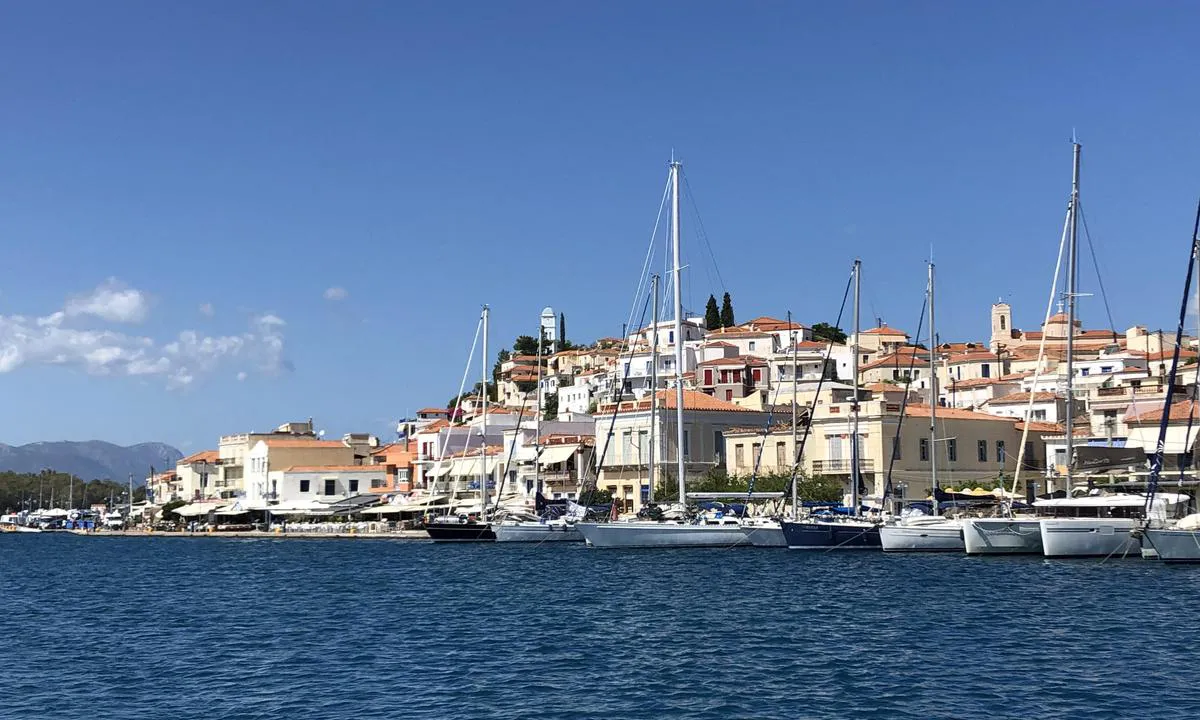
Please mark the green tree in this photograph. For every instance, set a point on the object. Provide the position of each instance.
(168, 510)
(551, 410)
(525, 345)
(562, 329)
(828, 333)
(712, 316)
(727, 311)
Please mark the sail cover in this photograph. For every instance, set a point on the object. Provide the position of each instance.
(1092, 459)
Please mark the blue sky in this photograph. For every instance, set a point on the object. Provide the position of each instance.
(215, 168)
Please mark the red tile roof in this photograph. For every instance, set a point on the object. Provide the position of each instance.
(737, 332)
(1023, 397)
(953, 414)
(1180, 412)
(337, 468)
(884, 330)
(303, 443)
(433, 411)
(204, 456)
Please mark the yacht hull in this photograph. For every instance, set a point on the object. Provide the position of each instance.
(537, 533)
(1088, 537)
(460, 532)
(940, 537)
(831, 535)
(765, 535)
(660, 535)
(1175, 546)
(1003, 536)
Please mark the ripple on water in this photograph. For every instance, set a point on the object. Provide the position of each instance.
(267, 628)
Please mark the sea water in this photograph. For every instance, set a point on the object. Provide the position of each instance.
(223, 628)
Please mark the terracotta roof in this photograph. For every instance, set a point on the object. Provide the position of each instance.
(692, 400)
(884, 330)
(1040, 426)
(302, 443)
(953, 414)
(806, 345)
(718, 343)
(1061, 318)
(337, 468)
(435, 425)
(566, 439)
(884, 387)
(208, 456)
(900, 359)
(971, 383)
(770, 324)
(1167, 355)
(1180, 412)
(971, 356)
(1023, 397)
(737, 332)
(433, 411)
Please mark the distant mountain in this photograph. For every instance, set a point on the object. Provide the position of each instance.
(91, 460)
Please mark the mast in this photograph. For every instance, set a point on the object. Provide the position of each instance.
(854, 409)
(795, 493)
(1072, 272)
(933, 398)
(677, 274)
(653, 392)
(129, 512)
(537, 420)
(483, 427)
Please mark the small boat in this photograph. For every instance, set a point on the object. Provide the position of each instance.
(13, 524)
(848, 534)
(1017, 535)
(929, 533)
(704, 531)
(1100, 525)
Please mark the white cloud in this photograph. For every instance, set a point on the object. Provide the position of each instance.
(336, 293)
(111, 301)
(53, 340)
(207, 310)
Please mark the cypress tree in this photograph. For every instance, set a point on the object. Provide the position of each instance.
(712, 316)
(727, 312)
(562, 329)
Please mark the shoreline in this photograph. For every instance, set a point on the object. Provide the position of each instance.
(255, 534)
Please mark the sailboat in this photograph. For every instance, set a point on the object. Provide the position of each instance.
(471, 528)
(686, 532)
(852, 532)
(926, 533)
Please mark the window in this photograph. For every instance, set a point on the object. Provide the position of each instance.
(739, 456)
(708, 377)
(1002, 323)
(757, 375)
(376, 483)
(752, 346)
(729, 395)
(686, 443)
(1001, 457)
(737, 376)
(982, 451)
(952, 450)
(627, 446)
(304, 486)
(924, 450)
(1106, 369)
(670, 337)
(330, 486)
(1039, 414)
(354, 485)
(756, 451)
(781, 459)
(987, 370)
(1029, 454)
(895, 448)
(718, 444)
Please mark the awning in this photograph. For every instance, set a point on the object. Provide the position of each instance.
(490, 466)
(195, 509)
(439, 469)
(466, 467)
(558, 453)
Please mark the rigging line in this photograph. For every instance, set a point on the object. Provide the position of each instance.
(508, 461)
(1037, 368)
(912, 361)
(644, 278)
(687, 187)
(1112, 326)
(598, 461)
(799, 451)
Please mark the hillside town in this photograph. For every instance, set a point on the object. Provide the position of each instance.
(565, 418)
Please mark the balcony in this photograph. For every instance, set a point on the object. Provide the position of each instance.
(834, 467)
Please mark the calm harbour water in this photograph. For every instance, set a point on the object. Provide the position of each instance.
(181, 628)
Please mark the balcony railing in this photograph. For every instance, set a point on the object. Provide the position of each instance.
(842, 466)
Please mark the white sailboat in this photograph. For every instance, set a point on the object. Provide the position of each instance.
(926, 533)
(698, 532)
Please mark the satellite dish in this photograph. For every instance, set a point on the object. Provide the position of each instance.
(321, 434)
